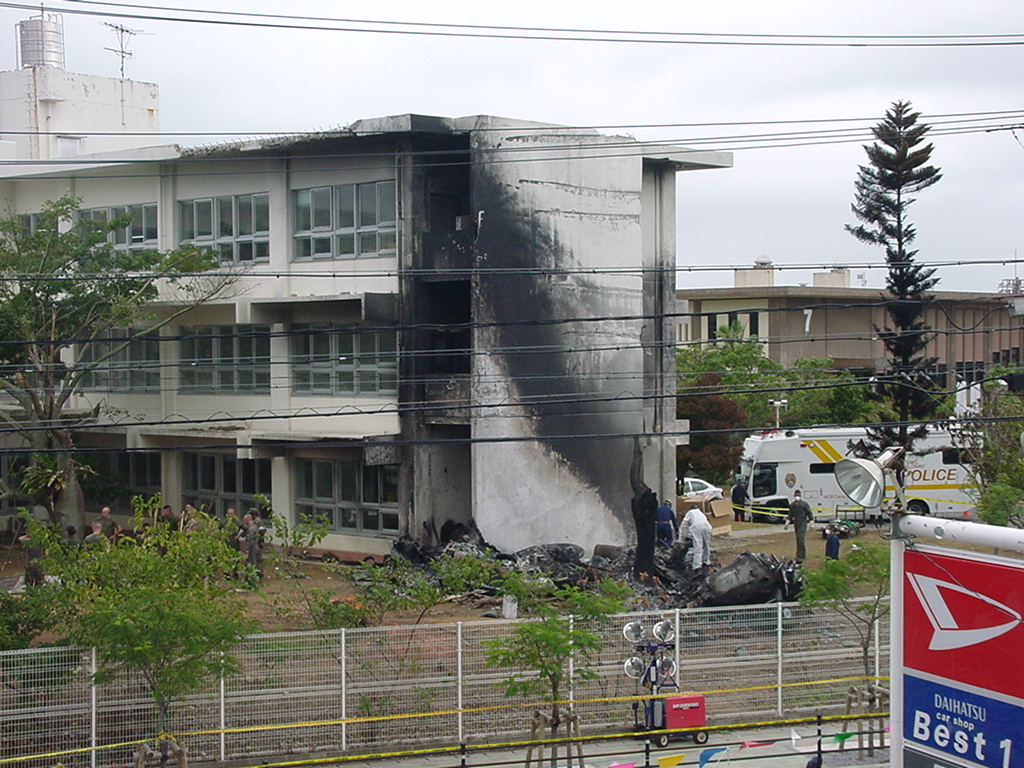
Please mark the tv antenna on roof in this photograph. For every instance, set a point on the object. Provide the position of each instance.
(124, 36)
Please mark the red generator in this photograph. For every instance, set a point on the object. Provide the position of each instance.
(685, 711)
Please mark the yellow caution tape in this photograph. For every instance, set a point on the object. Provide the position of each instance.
(448, 712)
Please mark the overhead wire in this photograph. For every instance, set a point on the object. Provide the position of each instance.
(549, 34)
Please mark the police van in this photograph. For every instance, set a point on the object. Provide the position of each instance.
(778, 462)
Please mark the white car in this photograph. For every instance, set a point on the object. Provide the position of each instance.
(694, 486)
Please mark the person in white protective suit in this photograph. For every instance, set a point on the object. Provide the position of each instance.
(696, 527)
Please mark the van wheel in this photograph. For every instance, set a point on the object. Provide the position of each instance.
(700, 737)
(917, 507)
(661, 740)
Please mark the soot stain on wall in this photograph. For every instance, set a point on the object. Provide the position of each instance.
(528, 304)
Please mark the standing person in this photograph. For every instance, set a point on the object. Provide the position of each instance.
(800, 515)
(250, 542)
(110, 527)
(740, 499)
(697, 529)
(168, 518)
(96, 537)
(231, 529)
(666, 525)
(831, 543)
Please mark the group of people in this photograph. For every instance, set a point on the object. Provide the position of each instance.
(799, 515)
(694, 530)
(245, 535)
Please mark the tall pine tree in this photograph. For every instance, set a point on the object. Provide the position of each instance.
(898, 169)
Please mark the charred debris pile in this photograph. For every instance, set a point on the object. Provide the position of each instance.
(751, 578)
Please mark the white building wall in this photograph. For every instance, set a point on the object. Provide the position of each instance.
(71, 110)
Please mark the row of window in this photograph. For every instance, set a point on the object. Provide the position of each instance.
(325, 359)
(335, 222)
(348, 496)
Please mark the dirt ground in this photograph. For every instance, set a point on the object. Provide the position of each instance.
(279, 604)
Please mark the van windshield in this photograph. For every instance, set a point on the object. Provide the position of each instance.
(764, 483)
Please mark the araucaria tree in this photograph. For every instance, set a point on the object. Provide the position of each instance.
(897, 170)
(64, 289)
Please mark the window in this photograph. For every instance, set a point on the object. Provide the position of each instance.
(346, 221)
(236, 226)
(822, 469)
(134, 366)
(216, 482)
(349, 497)
(763, 481)
(225, 358)
(331, 359)
(140, 233)
(955, 456)
(712, 326)
(11, 464)
(137, 473)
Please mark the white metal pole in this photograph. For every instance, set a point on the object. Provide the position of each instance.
(223, 716)
(896, 644)
(344, 690)
(572, 665)
(92, 706)
(679, 639)
(778, 657)
(961, 531)
(458, 676)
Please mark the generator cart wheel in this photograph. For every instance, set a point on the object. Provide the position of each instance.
(700, 737)
(661, 740)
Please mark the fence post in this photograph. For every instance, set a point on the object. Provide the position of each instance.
(458, 685)
(679, 642)
(93, 714)
(223, 713)
(778, 653)
(344, 690)
(572, 666)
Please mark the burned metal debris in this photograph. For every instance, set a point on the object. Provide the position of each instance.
(749, 578)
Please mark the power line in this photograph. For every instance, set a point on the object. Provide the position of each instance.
(548, 34)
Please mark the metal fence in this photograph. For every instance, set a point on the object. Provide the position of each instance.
(378, 688)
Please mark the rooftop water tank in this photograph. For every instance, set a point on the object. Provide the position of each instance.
(42, 41)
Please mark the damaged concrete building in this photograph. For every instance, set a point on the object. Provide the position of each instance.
(437, 321)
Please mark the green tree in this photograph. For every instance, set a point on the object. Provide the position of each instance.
(714, 448)
(561, 627)
(897, 170)
(157, 608)
(725, 388)
(989, 445)
(856, 587)
(65, 289)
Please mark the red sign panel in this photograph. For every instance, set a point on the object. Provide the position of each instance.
(963, 620)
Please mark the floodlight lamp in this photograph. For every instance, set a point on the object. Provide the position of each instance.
(634, 668)
(664, 631)
(633, 632)
(665, 667)
(863, 480)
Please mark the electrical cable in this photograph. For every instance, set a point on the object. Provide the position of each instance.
(536, 33)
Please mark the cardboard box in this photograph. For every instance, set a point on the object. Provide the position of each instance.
(719, 512)
(720, 516)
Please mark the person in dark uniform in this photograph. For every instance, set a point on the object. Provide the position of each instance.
(740, 500)
(666, 524)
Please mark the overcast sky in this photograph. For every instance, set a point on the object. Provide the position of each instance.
(787, 204)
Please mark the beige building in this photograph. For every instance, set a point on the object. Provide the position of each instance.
(971, 331)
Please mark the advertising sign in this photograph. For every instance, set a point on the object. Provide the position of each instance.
(963, 660)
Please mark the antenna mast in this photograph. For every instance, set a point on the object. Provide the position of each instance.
(124, 36)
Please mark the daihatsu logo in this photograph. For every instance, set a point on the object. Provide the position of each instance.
(947, 631)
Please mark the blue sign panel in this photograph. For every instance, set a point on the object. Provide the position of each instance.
(976, 730)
